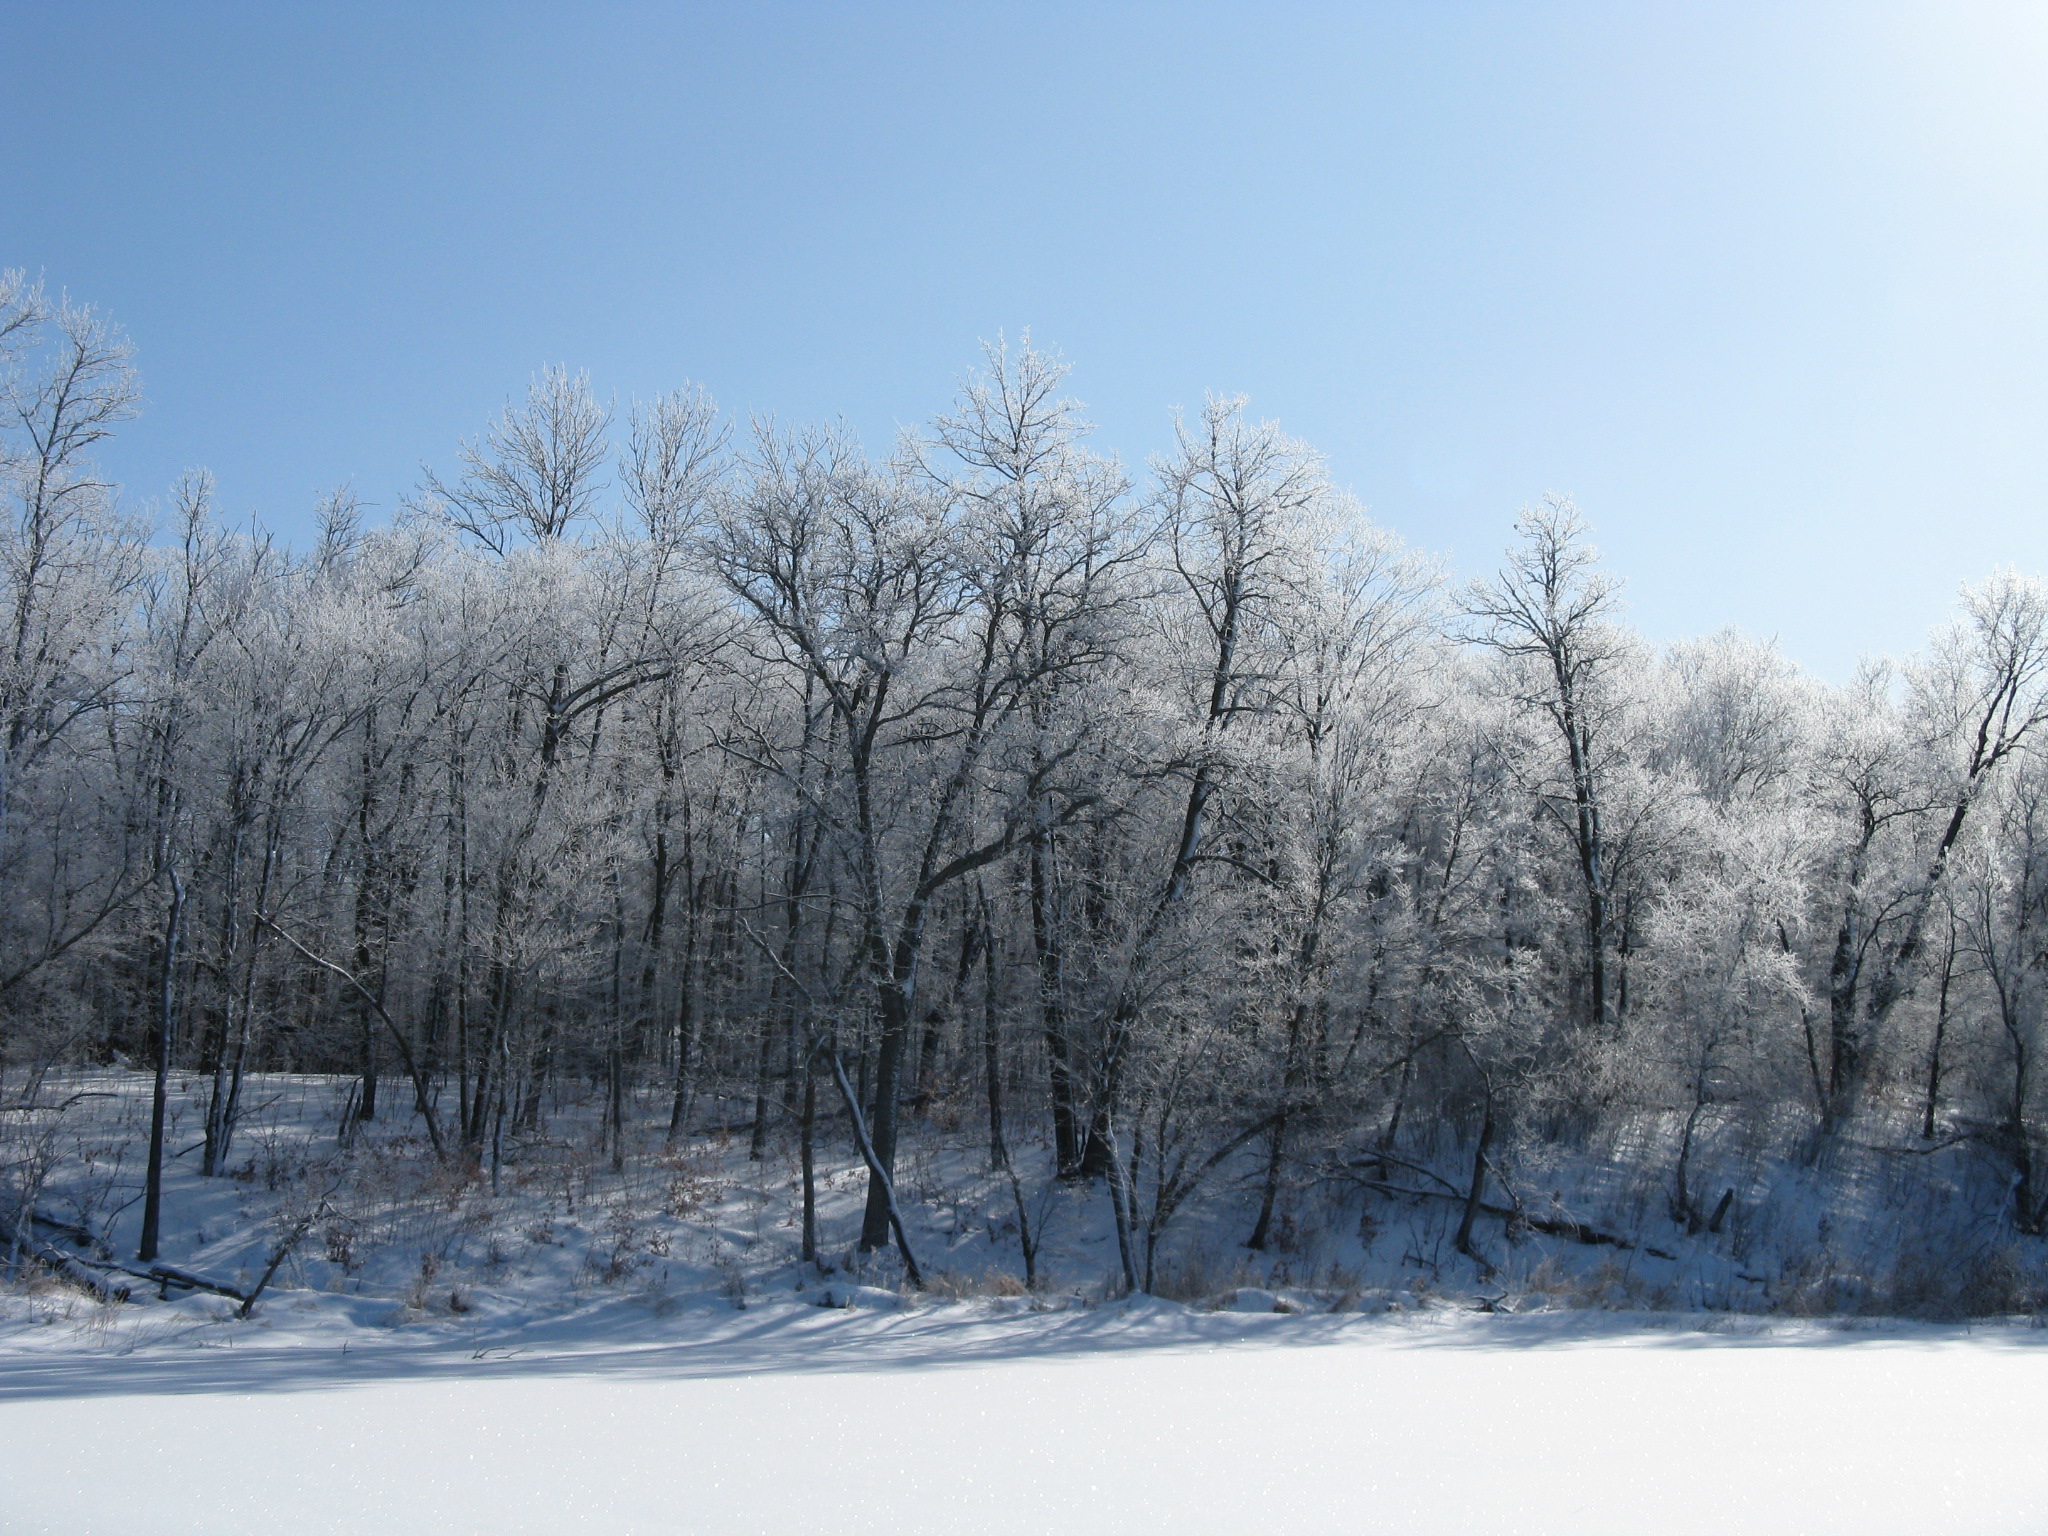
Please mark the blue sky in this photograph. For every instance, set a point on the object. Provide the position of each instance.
(1765, 287)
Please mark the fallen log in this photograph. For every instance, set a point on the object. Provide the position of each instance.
(165, 1274)
(81, 1237)
(81, 1273)
(1576, 1231)
(97, 1261)
(95, 1275)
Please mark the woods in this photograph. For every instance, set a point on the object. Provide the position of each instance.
(1179, 813)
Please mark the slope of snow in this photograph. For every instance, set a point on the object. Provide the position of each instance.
(572, 1350)
(399, 1240)
(1131, 1418)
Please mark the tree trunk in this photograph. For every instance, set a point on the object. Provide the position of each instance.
(166, 1030)
(1050, 954)
(1933, 1098)
(1262, 1229)
(806, 1151)
(1477, 1194)
(991, 1048)
(874, 1232)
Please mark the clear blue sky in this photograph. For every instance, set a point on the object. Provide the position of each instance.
(1764, 286)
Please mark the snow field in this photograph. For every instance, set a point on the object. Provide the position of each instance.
(1295, 1425)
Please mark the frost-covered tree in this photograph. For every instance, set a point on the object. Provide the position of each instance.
(1171, 831)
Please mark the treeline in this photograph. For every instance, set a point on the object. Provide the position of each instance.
(1182, 817)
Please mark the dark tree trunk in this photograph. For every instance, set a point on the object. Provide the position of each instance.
(1045, 940)
(991, 1049)
(806, 1151)
(166, 1034)
(1933, 1099)
(1476, 1196)
(883, 1123)
(1262, 1229)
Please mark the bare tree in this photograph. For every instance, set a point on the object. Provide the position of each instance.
(1978, 698)
(534, 473)
(1551, 611)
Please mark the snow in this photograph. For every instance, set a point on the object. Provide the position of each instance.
(965, 1417)
(582, 1351)
(406, 1243)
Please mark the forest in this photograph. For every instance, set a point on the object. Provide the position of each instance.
(1171, 832)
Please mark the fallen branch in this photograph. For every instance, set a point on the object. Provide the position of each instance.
(98, 1261)
(94, 1275)
(1383, 1158)
(71, 1232)
(165, 1274)
(28, 1109)
(875, 1169)
(80, 1272)
(287, 1240)
(1550, 1226)
(1961, 1138)
(423, 1096)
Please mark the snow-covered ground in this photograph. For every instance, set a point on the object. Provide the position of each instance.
(580, 1350)
(642, 1351)
(1139, 1417)
(398, 1240)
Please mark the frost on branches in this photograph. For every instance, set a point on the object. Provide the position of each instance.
(665, 849)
